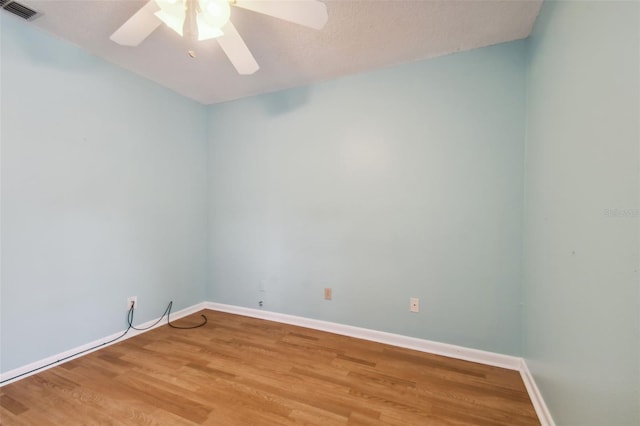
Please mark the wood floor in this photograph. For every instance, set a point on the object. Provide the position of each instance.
(244, 371)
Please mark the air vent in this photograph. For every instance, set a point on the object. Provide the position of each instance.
(18, 9)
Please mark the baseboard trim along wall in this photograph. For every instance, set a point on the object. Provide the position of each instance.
(55, 360)
(422, 345)
(544, 415)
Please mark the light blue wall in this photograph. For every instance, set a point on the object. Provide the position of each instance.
(103, 197)
(581, 315)
(396, 183)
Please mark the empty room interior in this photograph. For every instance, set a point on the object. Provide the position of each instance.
(355, 212)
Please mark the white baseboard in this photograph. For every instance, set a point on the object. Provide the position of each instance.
(544, 415)
(422, 345)
(444, 349)
(54, 360)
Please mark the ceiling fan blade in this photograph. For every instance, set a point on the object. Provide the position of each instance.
(138, 27)
(309, 13)
(237, 51)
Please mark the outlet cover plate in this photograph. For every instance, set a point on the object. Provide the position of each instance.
(327, 293)
(133, 299)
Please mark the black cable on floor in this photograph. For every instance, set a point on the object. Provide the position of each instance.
(167, 312)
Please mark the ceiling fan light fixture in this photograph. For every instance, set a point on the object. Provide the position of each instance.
(205, 19)
(172, 7)
(215, 12)
(206, 31)
(172, 13)
(172, 21)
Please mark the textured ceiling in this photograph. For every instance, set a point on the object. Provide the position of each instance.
(359, 36)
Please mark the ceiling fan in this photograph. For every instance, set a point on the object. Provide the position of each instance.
(207, 19)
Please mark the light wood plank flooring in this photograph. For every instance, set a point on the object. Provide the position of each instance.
(244, 371)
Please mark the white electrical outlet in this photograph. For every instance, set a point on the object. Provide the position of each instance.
(414, 304)
(132, 300)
